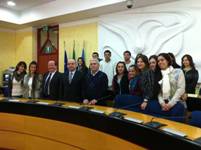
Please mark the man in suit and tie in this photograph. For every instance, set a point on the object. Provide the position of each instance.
(51, 82)
(71, 85)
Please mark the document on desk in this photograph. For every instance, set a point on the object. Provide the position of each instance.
(42, 103)
(97, 111)
(179, 133)
(133, 120)
(74, 107)
(14, 100)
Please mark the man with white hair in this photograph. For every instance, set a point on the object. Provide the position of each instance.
(95, 85)
(71, 85)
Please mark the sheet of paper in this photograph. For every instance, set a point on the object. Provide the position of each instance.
(133, 120)
(43, 103)
(179, 133)
(97, 111)
(74, 107)
(14, 100)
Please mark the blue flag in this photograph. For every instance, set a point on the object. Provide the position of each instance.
(65, 62)
(83, 55)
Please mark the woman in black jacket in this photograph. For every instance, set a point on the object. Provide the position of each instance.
(120, 81)
(191, 74)
(149, 80)
(191, 78)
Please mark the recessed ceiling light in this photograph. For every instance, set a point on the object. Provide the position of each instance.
(11, 3)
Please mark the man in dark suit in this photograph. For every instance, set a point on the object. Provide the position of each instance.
(51, 82)
(95, 85)
(71, 85)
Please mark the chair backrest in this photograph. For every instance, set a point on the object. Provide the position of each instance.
(196, 119)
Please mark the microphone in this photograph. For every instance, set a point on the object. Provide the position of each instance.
(154, 124)
(120, 115)
(57, 103)
(32, 101)
(157, 125)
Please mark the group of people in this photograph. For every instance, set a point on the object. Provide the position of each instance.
(150, 85)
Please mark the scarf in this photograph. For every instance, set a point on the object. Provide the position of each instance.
(17, 76)
(165, 82)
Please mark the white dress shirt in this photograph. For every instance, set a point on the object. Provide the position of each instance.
(108, 68)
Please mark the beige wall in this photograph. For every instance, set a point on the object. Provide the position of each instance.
(79, 33)
(15, 46)
(21, 45)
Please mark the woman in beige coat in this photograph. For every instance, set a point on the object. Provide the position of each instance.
(32, 82)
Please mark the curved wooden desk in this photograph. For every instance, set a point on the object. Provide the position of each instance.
(27, 126)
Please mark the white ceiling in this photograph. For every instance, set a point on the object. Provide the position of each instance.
(39, 12)
(24, 4)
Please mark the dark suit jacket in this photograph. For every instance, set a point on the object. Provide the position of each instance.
(54, 86)
(72, 92)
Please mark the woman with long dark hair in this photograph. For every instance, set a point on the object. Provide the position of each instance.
(120, 80)
(191, 78)
(32, 82)
(173, 61)
(190, 72)
(172, 87)
(149, 81)
(143, 88)
(17, 80)
(82, 66)
(153, 62)
(133, 76)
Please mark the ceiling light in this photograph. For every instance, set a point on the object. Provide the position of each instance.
(11, 3)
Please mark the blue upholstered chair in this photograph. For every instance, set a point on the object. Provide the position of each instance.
(133, 103)
(196, 119)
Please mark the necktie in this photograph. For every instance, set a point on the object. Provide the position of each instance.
(47, 85)
(70, 77)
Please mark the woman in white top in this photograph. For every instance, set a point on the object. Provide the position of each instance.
(172, 88)
(32, 82)
(16, 82)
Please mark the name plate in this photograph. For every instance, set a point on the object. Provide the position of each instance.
(133, 120)
(14, 100)
(179, 133)
(42, 103)
(74, 107)
(97, 111)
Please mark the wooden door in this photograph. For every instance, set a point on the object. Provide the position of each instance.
(48, 46)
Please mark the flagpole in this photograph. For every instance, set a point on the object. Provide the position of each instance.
(74, 49)
(64, 45)
(84, 44)
(65, 58)
(73, 44)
